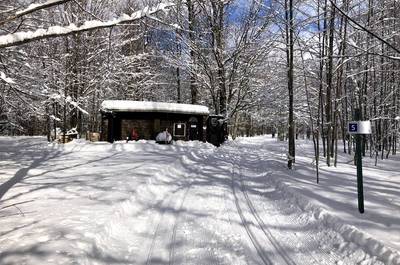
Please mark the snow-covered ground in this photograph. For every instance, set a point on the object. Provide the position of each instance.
(190, 203)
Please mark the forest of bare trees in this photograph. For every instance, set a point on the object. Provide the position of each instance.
(297, 68)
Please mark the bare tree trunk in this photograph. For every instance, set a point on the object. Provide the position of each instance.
(55, 121)
(178, 69)
(314, 136)
(192, 41)
(48, 123)
(329, 80)
(66, 84)
(218, 13)
(321, 43)
(289, 56)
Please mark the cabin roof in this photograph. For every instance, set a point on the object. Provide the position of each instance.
(150, 106)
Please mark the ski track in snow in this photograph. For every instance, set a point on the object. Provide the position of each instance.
(246, 224)
(291, 241)
(165, 232)
(179, 204)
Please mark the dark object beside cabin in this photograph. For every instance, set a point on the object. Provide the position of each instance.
(217, 129)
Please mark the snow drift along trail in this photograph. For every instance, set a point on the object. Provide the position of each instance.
(143, 203)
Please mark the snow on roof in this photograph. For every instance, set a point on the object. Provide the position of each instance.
(149, 106)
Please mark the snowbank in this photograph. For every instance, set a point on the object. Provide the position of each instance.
(334, 200)
(351, 233)
(109, 202)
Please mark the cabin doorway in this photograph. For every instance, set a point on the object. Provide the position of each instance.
(193, 129)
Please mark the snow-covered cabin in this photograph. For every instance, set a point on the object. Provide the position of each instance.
(184, 121)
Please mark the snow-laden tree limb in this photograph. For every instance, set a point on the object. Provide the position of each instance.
(34, 7)
(19, 38)
(366, 30)
(5, 78)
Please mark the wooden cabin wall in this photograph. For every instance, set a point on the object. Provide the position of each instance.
(145, 128)
(147, 125)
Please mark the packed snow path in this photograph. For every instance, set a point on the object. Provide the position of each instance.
(143, 203)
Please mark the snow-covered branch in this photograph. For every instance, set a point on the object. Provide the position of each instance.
(33, 8)
(19, 38)
(5, 78)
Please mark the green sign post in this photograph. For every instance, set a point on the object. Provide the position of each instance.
(358, 128)
(360, 186)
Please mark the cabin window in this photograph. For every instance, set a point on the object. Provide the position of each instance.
(180, 129)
